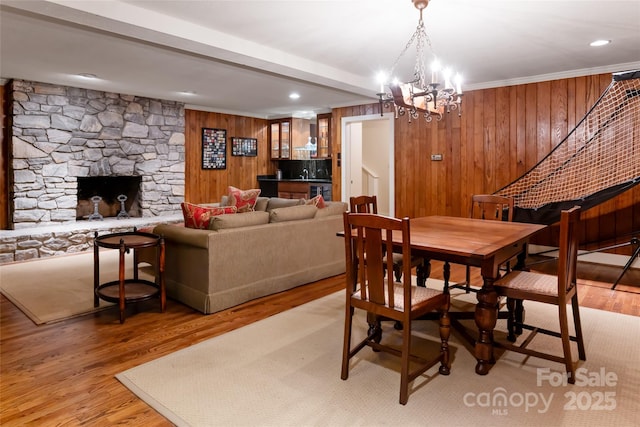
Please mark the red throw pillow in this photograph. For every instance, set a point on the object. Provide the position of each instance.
(243, 200)
(200, 216)
(317, 201)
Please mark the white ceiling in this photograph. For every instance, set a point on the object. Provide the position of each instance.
(245, 57)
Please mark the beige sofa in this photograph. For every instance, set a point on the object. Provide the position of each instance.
(253, 254)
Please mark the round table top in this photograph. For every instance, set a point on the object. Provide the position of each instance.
(131, 239)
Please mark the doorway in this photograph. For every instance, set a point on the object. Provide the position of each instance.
(367, 159)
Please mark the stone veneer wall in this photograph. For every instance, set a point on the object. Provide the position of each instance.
(60, 133)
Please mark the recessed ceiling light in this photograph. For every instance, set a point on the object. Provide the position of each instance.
(188, 92)
(294, 95)
(599, 43)
(87, 76)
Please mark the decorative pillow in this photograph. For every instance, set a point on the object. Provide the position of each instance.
(236, 221)
(317, 201)
(199, 217)
(292, 213)
(243, 200)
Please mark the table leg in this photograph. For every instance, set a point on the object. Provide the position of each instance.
(160, 277)
(423, 271)
(135, 264)
(121, 292)
(446, 274)
(96, 271)
(486, 316)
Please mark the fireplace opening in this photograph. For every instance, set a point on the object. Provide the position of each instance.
(110, 189)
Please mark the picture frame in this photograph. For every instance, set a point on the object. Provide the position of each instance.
(214, 148)
(247, 147)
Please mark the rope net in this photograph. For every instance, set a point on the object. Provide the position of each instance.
(597, 160)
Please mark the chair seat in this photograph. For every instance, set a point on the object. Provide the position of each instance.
(531, 283)
(419, 295)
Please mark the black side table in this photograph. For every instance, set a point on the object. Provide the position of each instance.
(123, 290)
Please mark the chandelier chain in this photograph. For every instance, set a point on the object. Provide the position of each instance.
(420, 37)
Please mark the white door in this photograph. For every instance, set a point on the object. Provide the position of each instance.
(354, 163)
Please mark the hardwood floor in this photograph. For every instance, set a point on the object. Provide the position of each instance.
(63, 373)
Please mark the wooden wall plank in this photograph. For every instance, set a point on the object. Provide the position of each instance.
(502, 149)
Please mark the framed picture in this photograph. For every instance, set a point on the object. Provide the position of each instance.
(214, 148)
(244, 147)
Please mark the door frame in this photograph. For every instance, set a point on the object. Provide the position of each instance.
(346, 158)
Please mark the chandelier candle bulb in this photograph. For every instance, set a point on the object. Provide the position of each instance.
(447, 80)
(435, 67)
(458, 84)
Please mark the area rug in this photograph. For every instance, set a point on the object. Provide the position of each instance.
(285, 371)
(57, 288)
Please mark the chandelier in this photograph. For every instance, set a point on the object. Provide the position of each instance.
(419, 97)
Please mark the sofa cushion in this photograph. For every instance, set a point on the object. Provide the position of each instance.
(279, 202)
(292, 213)
(317, 201)
(239, 220)
(261, 204)
(243, 200)
(196, 216)
(332, 208)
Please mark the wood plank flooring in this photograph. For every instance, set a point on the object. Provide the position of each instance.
(63, 373)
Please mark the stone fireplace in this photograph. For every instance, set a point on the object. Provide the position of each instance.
(63, 137)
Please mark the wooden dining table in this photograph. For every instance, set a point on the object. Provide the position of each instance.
(476, 243)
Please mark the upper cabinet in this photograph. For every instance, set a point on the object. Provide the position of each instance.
(300, 133)
(288, 138)
(280, 139)
(300, 139)
(324, 136)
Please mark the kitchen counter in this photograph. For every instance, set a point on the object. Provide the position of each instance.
(310, 180)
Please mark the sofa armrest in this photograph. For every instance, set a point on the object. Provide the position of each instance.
(182, 235)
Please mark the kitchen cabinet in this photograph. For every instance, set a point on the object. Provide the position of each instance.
(293, 190)
(288, 138)
(323, 126)
(280, 139)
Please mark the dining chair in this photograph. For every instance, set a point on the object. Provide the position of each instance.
(557, 290)
(490, 207)
(369, 204)
(384, 299)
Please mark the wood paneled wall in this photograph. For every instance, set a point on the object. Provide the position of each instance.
(208, 185)
(503, 132)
